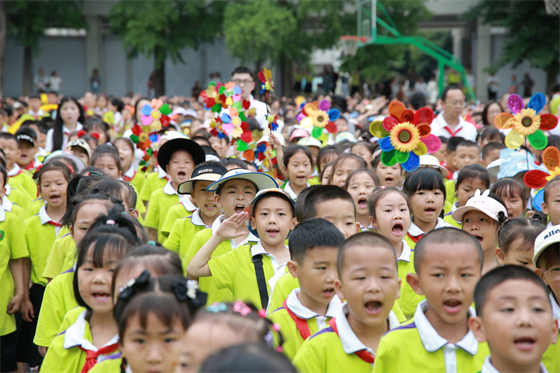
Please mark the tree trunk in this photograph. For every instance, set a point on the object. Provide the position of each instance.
(551, 74)
(2, 44)
(159, 76)
(27, 71)
(256, 92)
(287, 83)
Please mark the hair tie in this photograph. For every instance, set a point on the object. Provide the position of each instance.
(262, 313)
(217, 307)
(133, 285)
(110, 222)
(241, 308)
(95, 134)
(70, 168)
(81, 133)
(150, 242)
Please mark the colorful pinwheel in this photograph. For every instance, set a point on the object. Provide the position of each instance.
(267, 85)
(405, 136)
(526, 122)
(156, 115)
(319, 117)
(537, 179)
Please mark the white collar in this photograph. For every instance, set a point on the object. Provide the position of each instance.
(74, 335)
(303, 312)
(130, 173)
(443, 123)
(406, 252)
(432, 341)
(7, 204)
(414, 231)
(8, 189)
(250, 238)
(555, 308)
(45, 218)
(487, 367)
(548, 226)
(2, 214)
(279, 269)
(14, 171)
(66, 130)
(455, 176)
(196, 219)
(186, 202)
(288, 189)
(350, 342)
(161, 172)
(168, 189)
(454, 207)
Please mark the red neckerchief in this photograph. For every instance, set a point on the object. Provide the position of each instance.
(451, 132)
(301, 324)
(129, 179)
(415, 239)
(362, 354)
(19, 172)
(52, 222)
(29, 166)
(91, 356)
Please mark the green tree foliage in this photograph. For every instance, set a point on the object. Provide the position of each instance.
(532, 33)
(381, 61)
(424, 64)
(162, 28)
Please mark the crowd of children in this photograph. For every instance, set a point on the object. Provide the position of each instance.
(189, 255)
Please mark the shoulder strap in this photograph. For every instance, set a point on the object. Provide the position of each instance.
(261, 280)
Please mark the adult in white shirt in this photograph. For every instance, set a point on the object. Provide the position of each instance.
(56, 82)
(243, 77)
(449, 122)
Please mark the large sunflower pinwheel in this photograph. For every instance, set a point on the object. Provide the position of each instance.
(319, 116)
(526, 122)
(405, 136)
(537, 179)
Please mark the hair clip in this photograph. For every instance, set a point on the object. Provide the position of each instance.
(192, 287)
(217, 307)
(110, 222)
(70, 168)
(180, 290)
(262, 313)
(150, 242)
(241, 308)
(94, 173)
(133, 285)
(269, 339)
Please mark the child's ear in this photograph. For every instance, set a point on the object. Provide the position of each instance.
(500, 255)
(293, 267)
(399, 289)
(294, 223)
(540, 272)
(414, 283)
(38, 190)
(357, 227)
(544, 208)
(218, 199)
(554, 337)
(373, 222)
(134, 214)
(475, 324)
(338, 289)
(120, 173)
(253, 223)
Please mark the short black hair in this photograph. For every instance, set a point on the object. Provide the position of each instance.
(417, 100)
(444, 236)
(285, 197)
(367, 238)
(525, 229)
(228, 161)
(118, 103)
(326, 150)
(447, 89)
(34, 95)
(486, 149)
(301, 199)
(242, 70)
(508, 186)
(321, 194)
(248, 357)
(424, 178)
(202, 138)
(9, 136)
(107, 149)
(498, 276)
(453, 142)
(468, 144)
(208, 150)
(26, 131)
(473, 171)
(443, 139)
(313, 234)
(292, 150)
(5, 174)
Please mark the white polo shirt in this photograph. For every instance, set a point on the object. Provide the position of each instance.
(464, 129)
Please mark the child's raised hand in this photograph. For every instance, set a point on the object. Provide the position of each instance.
(233, 227)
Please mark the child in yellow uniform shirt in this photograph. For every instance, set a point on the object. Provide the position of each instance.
(466, 153)
(234, 191)
(178, 157)
(515, 317)
(12, 207)
(249, 272)
(125, 146)
(27, 138)
(78, 347)
(184, 229)
(12, 252)
(10, 145)
(369, 282)
(439, 339)
(40, 232)
(313, 250)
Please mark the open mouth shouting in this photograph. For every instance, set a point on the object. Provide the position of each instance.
(452, 305)
(373, 307)
(328, 292)
(182, 175)
(54, 198)
(363, 203)
(524, 343)
(101, 296)
(388, 181)
(239, 208)
(479, 238)
(397, 229)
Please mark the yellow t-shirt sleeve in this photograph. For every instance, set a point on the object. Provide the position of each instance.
(152, 216)
(56, 258)
(224, 269)
(173, 242)
(307, 359)
(16, 242)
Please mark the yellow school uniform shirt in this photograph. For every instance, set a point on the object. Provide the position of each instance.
(12, 207)
(18, 196)
(329, 351)
(551, 357)
(24, 179)
(160, 202)
(235, 271)
(65, 354)
(58, 300)
(39, 237)
(61, 257)
(135, 177)
(450, 191)
(207, 284)
(153, 182)
(293, 338)
(12, 247)
(449, 219)
(36, 205)
(417, 347)
(110, 365)
(184, 208)
(183, 232)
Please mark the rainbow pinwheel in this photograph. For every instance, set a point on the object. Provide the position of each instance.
(405, 136)
(318, 117)
(526, 122)
(267, 85)
(537, 179)
(156, 115)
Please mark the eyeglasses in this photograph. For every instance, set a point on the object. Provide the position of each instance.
(458, 103)
(240, 82)
(553, 273)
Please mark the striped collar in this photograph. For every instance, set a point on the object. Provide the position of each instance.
(197, 220)
(187, 204)
(168, 189)
(406, 252)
